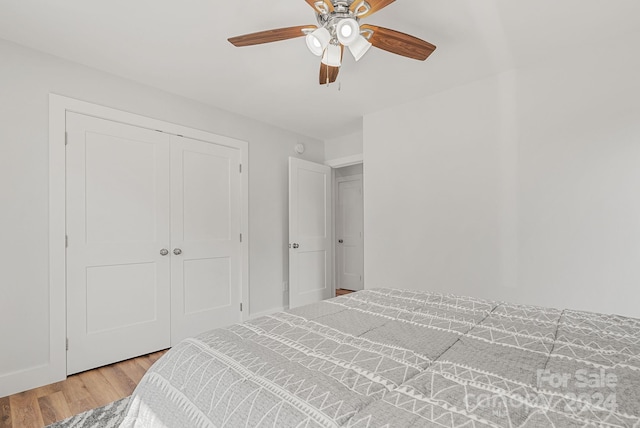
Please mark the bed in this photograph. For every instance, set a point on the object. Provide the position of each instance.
(398, 358)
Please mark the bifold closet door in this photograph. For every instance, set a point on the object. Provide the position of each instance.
(205, 237)
(118, 201)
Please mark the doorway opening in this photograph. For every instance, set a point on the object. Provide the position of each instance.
(349, 229)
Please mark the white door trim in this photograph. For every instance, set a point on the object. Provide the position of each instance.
(346, 161)
(58, 107)
(334, 164)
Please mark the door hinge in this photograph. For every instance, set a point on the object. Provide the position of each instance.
(241, 237)
(240, 307)
(67, 344)
(240, 168)
(66, 241)
(66, 138)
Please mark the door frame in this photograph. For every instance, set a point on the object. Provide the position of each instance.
(59, 105)
(335, 164)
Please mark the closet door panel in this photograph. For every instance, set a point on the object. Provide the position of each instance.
(205, 237)
(206, 196)
(117, 223)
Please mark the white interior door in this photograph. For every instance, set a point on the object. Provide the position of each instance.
(349, 233)
(117, 225)
(310, 255)
(205, 237)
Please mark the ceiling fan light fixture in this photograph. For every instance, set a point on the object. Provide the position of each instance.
(360, 47)
(348, 31)
(332, 56)
(338, 27)
(318, 41)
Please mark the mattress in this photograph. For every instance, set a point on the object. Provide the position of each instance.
(398, 358)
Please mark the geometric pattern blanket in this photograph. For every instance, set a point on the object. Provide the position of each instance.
(398, 358)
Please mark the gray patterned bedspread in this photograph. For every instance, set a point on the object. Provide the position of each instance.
(396, 358)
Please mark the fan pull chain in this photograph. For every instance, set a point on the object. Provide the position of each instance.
(328, 78)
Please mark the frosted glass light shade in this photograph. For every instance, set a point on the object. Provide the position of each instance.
(332, 56)
(318, 41)
(348, 31)
(360, 47)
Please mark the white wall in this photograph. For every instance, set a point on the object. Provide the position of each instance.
(343, 146)
(521, 186)
(579, 179)
(26, 79)
(432, 198)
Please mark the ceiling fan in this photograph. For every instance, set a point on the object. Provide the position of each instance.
(339, 27)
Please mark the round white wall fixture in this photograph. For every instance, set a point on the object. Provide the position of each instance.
(299, 148)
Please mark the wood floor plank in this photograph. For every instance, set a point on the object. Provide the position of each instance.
(76, 394)
(145, 362)
(54, 407)
(5, 413)
(99, 387)
(134, 370)
(78, 397)
(119, 380)
(156, 356)
(49, 389)
(148, 360)
(25, 411)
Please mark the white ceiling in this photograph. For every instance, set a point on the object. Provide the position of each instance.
(181, 47)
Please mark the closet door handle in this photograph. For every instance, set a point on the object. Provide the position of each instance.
(177, 251)
(164, 252)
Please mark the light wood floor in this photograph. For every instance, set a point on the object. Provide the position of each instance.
(79, 393)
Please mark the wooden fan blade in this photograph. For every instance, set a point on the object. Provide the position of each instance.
(327, 3)
(328, 74)
(270, 36)
(399, 43)
(374, 6)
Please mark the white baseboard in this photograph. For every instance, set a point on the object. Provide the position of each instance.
(33, 377)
